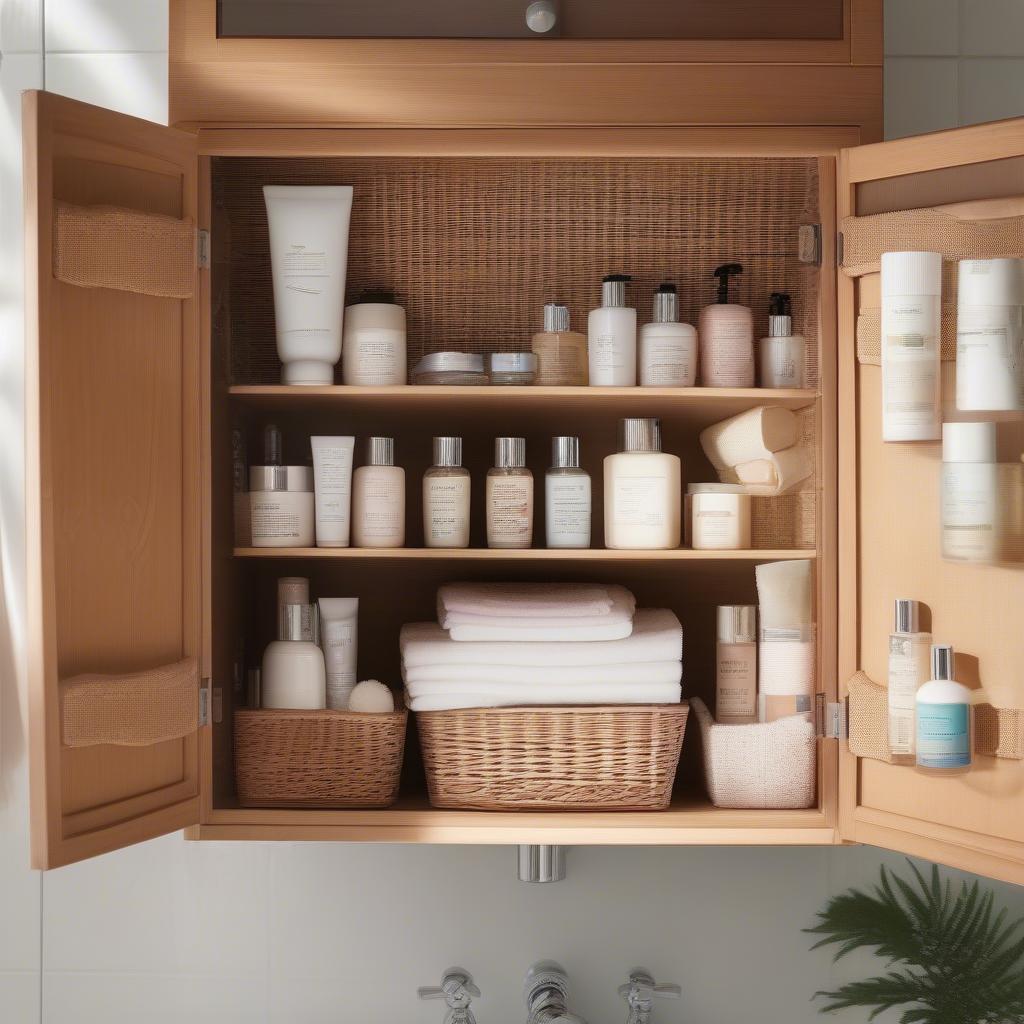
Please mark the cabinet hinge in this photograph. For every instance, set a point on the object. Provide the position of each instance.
(204, 701)
(203, 249)
(808, 244)
(830, 718)
(840, 249)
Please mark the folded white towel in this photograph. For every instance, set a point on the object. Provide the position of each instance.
(469, 678)
(665, 693)
(657, 636)
(511, 600)
(614, 625)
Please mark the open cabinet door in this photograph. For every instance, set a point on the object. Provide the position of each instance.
(967, 188)
(114, 478)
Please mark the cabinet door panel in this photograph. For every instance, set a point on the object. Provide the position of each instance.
(113, 482)
(891, 532)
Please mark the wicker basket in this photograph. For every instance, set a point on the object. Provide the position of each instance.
(318, 758)
(553, 758)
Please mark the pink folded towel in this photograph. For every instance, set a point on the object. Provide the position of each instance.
(513, 600)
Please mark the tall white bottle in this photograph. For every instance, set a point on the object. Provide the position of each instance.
(943, 718)
(970, 493)
(567, 497)
(911, 313)
(611, 336)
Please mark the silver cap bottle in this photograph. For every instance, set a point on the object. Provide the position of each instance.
(556, 318)
(565, 453)
(300, 622)
(907, 617)
(638, 434)
(737, 623)
(613, 289)
(942, 661)
(448, 452)
(510, 452)
(380, 451)
(666, 304)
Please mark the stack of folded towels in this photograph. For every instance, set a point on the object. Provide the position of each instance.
(498, 644)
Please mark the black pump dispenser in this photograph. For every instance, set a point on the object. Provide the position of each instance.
(779, 304)
(723, 273)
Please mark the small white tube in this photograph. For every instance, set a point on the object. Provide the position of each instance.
(309, 256)
(332, 486)
(339, 635)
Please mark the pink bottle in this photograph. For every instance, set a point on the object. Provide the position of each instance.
(726, 333)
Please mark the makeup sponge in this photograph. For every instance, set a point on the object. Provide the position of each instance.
(371, 697)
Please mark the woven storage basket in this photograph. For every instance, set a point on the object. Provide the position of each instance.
(318, 758)
(553, 758)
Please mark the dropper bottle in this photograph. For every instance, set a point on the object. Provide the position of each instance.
(726, 332)
(783, 354)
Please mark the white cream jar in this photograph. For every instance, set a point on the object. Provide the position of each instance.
(281, 506)
(718, 516)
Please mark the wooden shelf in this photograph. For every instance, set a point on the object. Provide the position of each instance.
(529, 555)
(692, 407)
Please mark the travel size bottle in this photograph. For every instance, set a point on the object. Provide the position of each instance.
(561, 353)
(642, 490)
(783, 354)
(509, 496)
(943, 718)
(668, 349)
(736, 665)
(446, 492)
(378, 498)
(567, 497)
(611, 336)
(909, 668)
(970, 493)
(726, 332)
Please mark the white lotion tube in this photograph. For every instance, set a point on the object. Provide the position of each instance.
(308, 255)
(339, 635)
(911, 307)
(332, 485)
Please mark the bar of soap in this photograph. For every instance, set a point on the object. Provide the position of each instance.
(371, 697)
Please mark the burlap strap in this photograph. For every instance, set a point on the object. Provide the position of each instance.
(866, 238)
(133, 710)
(108, 247)
(998, 732)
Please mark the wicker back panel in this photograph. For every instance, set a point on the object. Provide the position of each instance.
(474, 247)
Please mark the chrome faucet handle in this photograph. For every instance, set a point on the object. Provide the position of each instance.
(458, 992)
(641, 991)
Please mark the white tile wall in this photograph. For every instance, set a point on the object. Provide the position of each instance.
(308, 932)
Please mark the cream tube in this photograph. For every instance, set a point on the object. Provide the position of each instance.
(339, 635)
(308, 255)
(332, 486)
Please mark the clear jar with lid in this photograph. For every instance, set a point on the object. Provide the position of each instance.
(517, 368)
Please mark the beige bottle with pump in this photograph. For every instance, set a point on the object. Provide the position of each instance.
(726, 334)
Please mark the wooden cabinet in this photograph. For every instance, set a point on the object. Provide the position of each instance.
(133, 396)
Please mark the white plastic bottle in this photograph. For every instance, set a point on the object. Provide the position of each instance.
(909, 668)
(783, 354)
(943, 710)
(294, 674)
(509, 496)
(970, 493)
(990, 335)
(611, 336)
(642, 490)
(567, 497)
(668, 349)
(911, 313)
(378, 498)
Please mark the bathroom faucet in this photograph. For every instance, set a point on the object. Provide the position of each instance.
(546, 992)
(640, 992)
(457, 990)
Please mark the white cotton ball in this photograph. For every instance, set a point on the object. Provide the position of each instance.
(371, 697)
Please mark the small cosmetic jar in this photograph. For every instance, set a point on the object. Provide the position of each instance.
(450, 368)
(513, 367)
(718, 516)
(281, 506)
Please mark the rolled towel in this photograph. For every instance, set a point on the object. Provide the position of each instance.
(511, 600)
(468, 677)
(657, 636)
(665, 693)
(623, 605)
